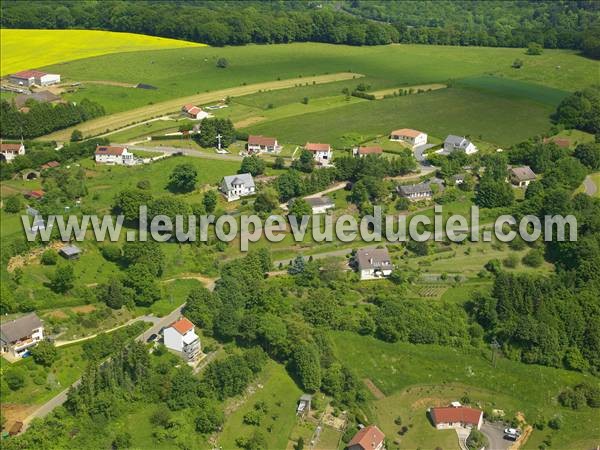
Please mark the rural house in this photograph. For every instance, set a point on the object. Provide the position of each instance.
(106, 154)
(459, 143)
(367, 438)
(30, 77)
(8, 152)
(18, 335)
(35, 195)
(236, 186)
(412, 137)
(456, 416)
(321, 153)
(40, 97)
(181, 337)
(373, 263)
(304, 405)
(320, 205)
(359, 152)
(262, 144)
(194, 112)
(521, 176)
(416, 192)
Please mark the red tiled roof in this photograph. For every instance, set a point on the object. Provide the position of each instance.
(368, 438)
(312, 147)
(451, 414)
(50, 165)
(29, 74)
(370, 150)
(183, 325)
(35, 194)
(192, 109)
(109, 150)
(261, 140)
(13, 148)
(406, 132)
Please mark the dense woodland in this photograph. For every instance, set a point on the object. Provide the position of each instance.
(553, 24)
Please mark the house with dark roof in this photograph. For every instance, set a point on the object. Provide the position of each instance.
(39, 96)
(236, 186)
(521, 176)
(19, 335)
(367, 438)
(456, 416)
(320, 205)
(416, 192)
(262, 144)
(181, 337)
(455, 143)
(70, 252)
(111, 154)
(362, 151)
(373, 264)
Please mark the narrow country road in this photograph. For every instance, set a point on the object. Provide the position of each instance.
(589, 186)
(187, 152)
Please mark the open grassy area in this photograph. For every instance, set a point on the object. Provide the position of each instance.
(28, 49)
(511, 386)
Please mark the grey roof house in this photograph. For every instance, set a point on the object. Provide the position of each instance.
(459, 143)
(236, 186)
(18, 335)
(373, 263)
(521, 176)
(70, 252)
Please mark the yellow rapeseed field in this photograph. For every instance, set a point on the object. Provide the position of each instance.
(32, 49)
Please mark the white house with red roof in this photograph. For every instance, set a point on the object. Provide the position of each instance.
(368, 438)
(110, 154)
(322, 153)
(414, 138)
(262, 144)
(456, 416)
(361, 151)
(31, 77)
(181, 337)
(194, 112)
(8, 152)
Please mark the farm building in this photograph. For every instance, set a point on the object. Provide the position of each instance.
(359, 152)
(320, 205)
(521, 176)
(459, 143)
(456, 416)
(373, 263)
(368, 438)
(40, 97)
(321, 152)
(18, 335)
(194, 112)
(412, 137)
(8, 152)
(236, 186)
(106, 154)
(181, 337)
(70, 252)
(260, 144)
(416, 192)
(31, 77)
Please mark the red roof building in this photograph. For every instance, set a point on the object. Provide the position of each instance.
(50, 165)
(456, 416)
(312, 147)
(26, 74)
(259, 144)
(109, 150)
(183, 325)
(39, 194)
(10, 148)
(363, 151)
(369, 438)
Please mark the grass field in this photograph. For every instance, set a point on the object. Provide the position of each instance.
(28, 49)
(511, 386)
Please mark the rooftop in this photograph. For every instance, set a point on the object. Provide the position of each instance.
(372, 150)
(70, 250)
(407, 132)
(20, 328)
(239, 179)
(319, 201)
(523, 173)
(368, 438)
(182, 325)
(313, 147)
(373, 258)
(261, 140)
(451, 414)
(109, 150)
(420, 188)
(29, 74)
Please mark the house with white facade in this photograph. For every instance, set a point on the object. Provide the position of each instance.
(107, 154)
(456, 416)
(30, 77)
(8, 152)
(19, 335)
(181, 337)
(262, 144)
(322, 153)
(521, 176)
(194, 112)
(414, 138)
(416, 192)
(373, 264)
(362, 151)
(455, 143)
(320, 205)
(236, 186)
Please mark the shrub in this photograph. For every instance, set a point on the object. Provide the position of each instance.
(12, 204)
(556, 422)
(49, 257)
(111, 252)
(15, 378)
(533, 258)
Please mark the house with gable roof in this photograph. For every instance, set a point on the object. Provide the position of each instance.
(236, 186)
(110, 154)
(181, 337)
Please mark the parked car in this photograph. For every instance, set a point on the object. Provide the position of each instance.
(152, 338)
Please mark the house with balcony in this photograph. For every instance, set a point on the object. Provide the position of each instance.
(181, 337)
(19, 335)
(373, 264)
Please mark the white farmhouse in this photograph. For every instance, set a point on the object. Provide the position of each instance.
(236, 186)
(373, 264)
(8, 152)
(412, 137)
(19, 335)
(194, 112)
(321, 153)
(320, 205)
(106, 154)
(459, 143)
(262, 144)
(181, 337)
(30, 77)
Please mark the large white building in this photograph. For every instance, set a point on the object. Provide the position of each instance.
(373, 264)
(30, 77)
(106, 154)
(236, 186)
(414, 138)
(8, 152)
(19, 335)
(459, 143)
(322, 153)
(181, 337)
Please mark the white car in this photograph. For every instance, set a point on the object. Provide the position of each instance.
(512, 431)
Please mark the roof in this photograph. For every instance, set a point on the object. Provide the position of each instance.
(19, 328)
(375, 149)
(192, 109)
(306, 398)
(241, 178)
(182, 325)
(312, 147)
(109, 150)
(70, 250)
(40, 96)
(319, 201)
(373, 258)
(261, 140)
(414, 189)
(407, 132)
(523, 173)
(13, 148)
(457, 141)
(26, 74)
(50, 165)
(35, 194)
(368, 438)
(450, 414)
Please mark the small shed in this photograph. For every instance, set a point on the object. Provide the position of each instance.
(70, 252)
(304, 404)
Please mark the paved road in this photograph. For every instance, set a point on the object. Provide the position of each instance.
(187, 152)
(495, 434)
(589, 186)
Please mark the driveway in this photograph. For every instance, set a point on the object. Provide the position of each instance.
(589, 186)
(495, 435)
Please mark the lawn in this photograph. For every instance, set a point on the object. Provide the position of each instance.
(511, 386)
(28, 49)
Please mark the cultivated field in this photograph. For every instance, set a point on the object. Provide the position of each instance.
(28, 49)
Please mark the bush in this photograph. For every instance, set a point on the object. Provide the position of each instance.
(534, 258)
(222, 63)
(12, 204)
(49, 257)
(476, 440)
(556, 422)
(15, 378)
(511, 261)
(111, 252)
(44, 353)
(143, 184)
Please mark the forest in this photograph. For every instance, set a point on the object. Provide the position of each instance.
(552, 24)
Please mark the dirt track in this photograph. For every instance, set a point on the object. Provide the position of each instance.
(118, 120)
